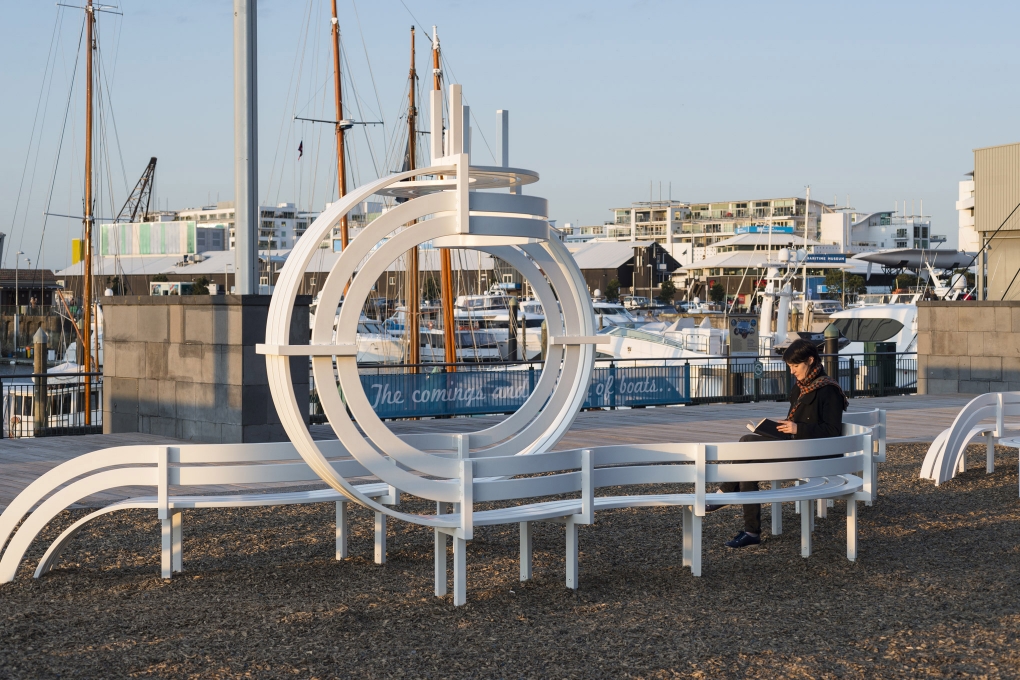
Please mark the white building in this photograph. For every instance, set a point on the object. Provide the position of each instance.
(969, 240)
(854, 232)
(279, 226)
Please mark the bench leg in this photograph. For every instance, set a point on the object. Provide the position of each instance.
(441, 571)
(176, 530)
(380, 538)
(527, 549)
(571, 555)
(851, 529)
(167, 541)
(963, 461)
(777, 514)
(806, 519)
(822, 508)
(459, 571)
(874, 483)
(688, 535)
(341, 530)
(695, 545)
(990, 453)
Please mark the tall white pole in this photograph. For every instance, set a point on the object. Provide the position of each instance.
(246, 205)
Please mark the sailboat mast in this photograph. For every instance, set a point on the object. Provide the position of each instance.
(341, 171)
(413, 302)
(445, 259)
(87, 246)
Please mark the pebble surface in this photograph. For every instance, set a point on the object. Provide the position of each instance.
(933, 593)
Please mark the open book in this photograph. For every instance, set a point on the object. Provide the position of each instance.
(768, 428)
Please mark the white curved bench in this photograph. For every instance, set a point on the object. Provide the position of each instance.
(947, 454)
(161, 467)
(847, 472)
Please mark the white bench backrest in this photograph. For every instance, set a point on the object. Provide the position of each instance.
(944, 456)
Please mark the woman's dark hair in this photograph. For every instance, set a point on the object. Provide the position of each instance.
(800, 351)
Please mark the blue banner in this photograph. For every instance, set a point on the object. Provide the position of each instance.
(410, 395)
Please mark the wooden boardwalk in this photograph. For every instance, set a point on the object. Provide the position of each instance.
(911, 419)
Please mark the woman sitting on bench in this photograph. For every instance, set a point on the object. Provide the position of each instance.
(816, 410)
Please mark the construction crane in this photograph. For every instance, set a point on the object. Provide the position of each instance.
(136, 207)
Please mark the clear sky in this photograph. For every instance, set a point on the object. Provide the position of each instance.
(884, 101)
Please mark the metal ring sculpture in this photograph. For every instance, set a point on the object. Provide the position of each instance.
(514, 228)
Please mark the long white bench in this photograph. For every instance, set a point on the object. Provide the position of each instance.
(947, 454)
(162, 467)
(838, 467)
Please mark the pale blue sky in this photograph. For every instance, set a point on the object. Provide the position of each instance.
(883, 101)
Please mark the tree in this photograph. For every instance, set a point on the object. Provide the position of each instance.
(834, 284)
(430, 291)
(717, 293)
(612, 291)
(201, 286)
(907, 280)
(666, 292)
(160, 278)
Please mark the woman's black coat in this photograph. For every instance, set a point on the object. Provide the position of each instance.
(820, 414)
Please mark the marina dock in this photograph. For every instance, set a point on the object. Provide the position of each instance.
(910, 419)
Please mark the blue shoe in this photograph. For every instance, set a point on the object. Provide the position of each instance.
(742, 540)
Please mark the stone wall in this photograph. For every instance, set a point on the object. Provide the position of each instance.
(968, 347)
(186, 367)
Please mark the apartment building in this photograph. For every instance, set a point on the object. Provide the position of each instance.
(280, 226)
(854, 232)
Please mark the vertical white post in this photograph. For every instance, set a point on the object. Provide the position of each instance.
(436, 124)
(822, 508)
(246, 205)
(504, 138)
(440, 555)
(176, 526)
(990, 453)
(777, 513)
(166, 549)
(851, 529)
(695, 545)
(341, 530)
(571, 554)
(380, 538)
(456, 131)
(466, 144)
(459, 571)
(527, 549)
(688, 535)
(805, 528)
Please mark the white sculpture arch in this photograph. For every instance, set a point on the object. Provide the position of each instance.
(510, 226)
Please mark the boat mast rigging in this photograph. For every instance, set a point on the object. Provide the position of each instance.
(87, 246)
(413, 302)
(341, 171)
(445, 260)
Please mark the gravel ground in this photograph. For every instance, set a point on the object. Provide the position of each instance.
(933, 594)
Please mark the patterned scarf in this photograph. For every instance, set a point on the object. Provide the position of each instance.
(816, 379)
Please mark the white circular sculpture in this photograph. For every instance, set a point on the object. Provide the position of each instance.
(442, 208)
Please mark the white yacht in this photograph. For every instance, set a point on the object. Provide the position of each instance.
(614, 314)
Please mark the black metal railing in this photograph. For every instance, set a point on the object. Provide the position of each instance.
(396, 391)
(60, 411)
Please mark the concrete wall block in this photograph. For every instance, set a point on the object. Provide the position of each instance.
(943, 386)
(976, 318)
(222, 364)
(945, 318)
(256, 433)
(130, 360)
(948, 343)
(163, 427)
(121, 396)
(176, 323)
(200, 324)
(963, 368)
(156, 360)
(120, 422)
(1011, 369)
(253, 327)
(922, 385)
(1000, 386)
(976, 343)
(186, 401)
(153, 323)
(148, 398)
(109, 357)
(257, 404)
(120, 322)
(924, 343)
(167, 392)
(1002, 344)
(985, 368)
(221, 403)
(254, 367)
(974, 387)
(1004, 319)
(231, 433)
(923, 319)
(1015, 316)
(184, 362)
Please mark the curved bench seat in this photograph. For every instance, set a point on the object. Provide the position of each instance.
(947, 454)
